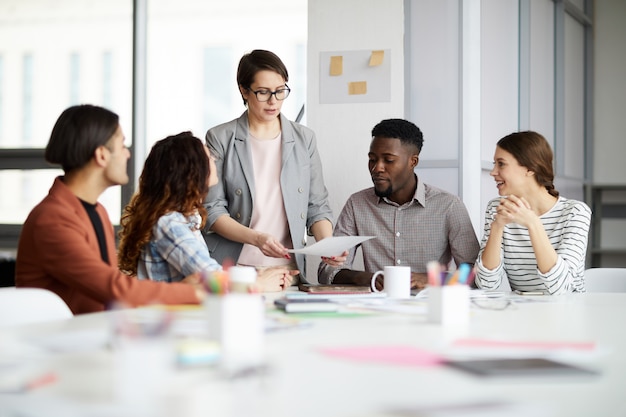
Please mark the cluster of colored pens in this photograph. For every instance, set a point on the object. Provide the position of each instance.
(216, 282)
(437, 277)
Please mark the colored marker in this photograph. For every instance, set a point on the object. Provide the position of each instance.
(454, 278)
(464, 270)
(434, 272)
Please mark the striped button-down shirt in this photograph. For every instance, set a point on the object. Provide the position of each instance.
(433, 226)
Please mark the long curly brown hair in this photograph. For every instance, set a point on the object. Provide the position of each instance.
(174, 178)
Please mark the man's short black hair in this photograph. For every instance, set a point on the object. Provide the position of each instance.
(77, 133)
(404, 130)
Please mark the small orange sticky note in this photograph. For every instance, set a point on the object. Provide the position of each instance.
(336, 65)
(357, 87)
(376, 58)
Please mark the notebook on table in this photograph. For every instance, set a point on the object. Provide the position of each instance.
(334, 289)
(522, 367)
(305, 305)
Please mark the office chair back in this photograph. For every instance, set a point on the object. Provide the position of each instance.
(605, 280)
(31, 305)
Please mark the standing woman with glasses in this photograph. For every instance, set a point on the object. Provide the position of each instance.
(271, 191)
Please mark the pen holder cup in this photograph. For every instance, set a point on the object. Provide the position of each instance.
(449, 304)
(144, 357)
(237, 323)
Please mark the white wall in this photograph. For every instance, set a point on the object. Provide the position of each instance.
(344, 130)
(499, 98)
(500, 74)
(609, 116)
(541, 76)
(610, 92)
(434, 89)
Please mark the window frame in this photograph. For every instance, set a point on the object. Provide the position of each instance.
(33, 158)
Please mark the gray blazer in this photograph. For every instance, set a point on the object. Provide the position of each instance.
(304, 193)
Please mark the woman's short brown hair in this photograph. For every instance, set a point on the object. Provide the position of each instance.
(255, 61)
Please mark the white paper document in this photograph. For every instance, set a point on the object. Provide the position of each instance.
(332, 246)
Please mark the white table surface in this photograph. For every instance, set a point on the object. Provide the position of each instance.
(299, 380)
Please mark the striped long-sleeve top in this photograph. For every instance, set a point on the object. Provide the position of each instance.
(567, 227)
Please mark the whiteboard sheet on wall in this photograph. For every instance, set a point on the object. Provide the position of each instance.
(362, 76)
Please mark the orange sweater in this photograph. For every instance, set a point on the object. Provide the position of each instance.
(58, 250)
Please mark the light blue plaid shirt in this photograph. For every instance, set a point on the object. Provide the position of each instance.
(177, 249)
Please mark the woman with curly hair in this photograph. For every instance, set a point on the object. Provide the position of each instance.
(161, 235)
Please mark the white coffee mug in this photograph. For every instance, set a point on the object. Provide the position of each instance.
(396, 281)
(241, 277)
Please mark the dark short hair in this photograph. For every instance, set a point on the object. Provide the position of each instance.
(255, 61)
(77, 133)
(407, 132)
(532, 150)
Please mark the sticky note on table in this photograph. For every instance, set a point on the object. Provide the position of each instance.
(336, 65)
(357, 87)
(376, 58)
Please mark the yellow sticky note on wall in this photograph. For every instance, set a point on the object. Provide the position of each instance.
(357, 87)
(376, 58)
(336, 65)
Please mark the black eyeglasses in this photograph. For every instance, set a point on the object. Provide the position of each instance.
(264, 95)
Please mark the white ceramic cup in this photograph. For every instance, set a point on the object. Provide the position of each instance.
(449, 304)
(243, 274)
(241, 277)
(237, 323)
(396, 281)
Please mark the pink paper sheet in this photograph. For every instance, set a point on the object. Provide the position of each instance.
(396, 355)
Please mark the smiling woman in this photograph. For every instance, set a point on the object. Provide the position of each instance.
(534, 238)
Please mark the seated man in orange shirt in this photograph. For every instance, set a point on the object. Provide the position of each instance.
(67, 244)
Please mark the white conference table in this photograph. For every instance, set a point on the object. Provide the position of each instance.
(300, 380)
